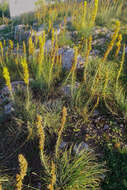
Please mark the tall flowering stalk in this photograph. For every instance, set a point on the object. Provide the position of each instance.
(11, 44)
(89, 48)
(118, 44)
(41, 53)
(23, 169)
(6, 75)
(84, 13)
(121, 65)
(26, 78)
(114, 37)
(1, 48)
(53, 177)
(31, 46)
(53, 39)
(63, 121)
(94, 13)
(41, 135)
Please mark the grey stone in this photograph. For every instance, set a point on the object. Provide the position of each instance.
(2, 27)
(126, 50)
(67, 89)
(8, 109)
(63, 145)
(48, 45)
(106, 127)
(68, 58)
(96, 113)
(79, 148)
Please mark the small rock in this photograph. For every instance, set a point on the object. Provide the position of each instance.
(106, 127)
(79, 148)
(63, 145)
(121, 125)
(8, 109)
(2, 27)
(67, 89)
(95, 113)
(126, 50)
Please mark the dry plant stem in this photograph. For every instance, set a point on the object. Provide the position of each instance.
(121, 66)
(61, 130)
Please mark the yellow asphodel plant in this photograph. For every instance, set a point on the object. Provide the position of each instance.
(26, 78)
(94, 13)
(6, 75)
(114, 37)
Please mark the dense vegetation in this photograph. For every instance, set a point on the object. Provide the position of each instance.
(63, 97)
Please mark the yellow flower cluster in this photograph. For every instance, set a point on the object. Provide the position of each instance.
(84, 13)
(25, 71)
(94, 12)
(7, 78)
(118, 44)
(1, 48)
(63, 121)
(40, 132)
(53, 180)
(11, 44)
(114, 37)
(0, 186)
(24, 48)
(31, 46)
(23, 169)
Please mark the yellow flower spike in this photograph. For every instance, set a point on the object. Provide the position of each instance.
(6, 75)
(23, 169)
(41, 135)
(0, 186)
(63, 121)
(84, 13)
(31, 46)
(17, 49)
(121, 65)
(53, 177)
(25, 71)
(114, 37)
(1, 48)
(118, 44)
(11, 44)
(94, 12)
